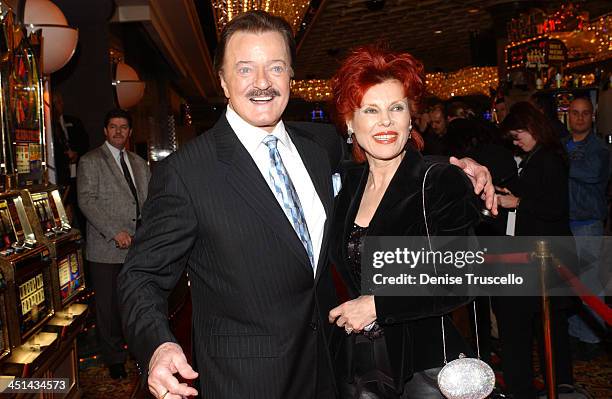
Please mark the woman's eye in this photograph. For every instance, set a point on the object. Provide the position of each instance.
(369, 111)
(397, 108)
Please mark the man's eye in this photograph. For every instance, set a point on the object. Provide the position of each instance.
(278, 69)
(244, 70)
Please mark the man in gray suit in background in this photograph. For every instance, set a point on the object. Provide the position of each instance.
(112, 187)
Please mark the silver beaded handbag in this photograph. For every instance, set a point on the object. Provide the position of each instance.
(462, 378)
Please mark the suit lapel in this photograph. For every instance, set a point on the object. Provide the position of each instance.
(246, 180)
(405, 184)
(320, 175)
(112, 165)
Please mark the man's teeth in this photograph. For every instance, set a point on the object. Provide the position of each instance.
(261, 98)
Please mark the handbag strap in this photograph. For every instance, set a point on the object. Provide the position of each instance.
(436, 270)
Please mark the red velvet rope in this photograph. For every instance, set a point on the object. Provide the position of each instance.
(519, 257)
(592, 301)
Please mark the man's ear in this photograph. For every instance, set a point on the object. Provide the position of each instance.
(224, 85)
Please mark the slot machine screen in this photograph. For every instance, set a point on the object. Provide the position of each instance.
(25, 112)
(70, 276)
(44, 210)
(34, 297)
(7, 228)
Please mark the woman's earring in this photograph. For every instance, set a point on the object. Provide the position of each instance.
(349, 139)
(409, 131)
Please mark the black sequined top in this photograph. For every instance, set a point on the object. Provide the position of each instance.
(354, 246)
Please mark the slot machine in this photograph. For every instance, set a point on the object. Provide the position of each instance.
(25, 265)
(40, 257)
(64, 243)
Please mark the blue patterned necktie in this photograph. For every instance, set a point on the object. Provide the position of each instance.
(285, 191)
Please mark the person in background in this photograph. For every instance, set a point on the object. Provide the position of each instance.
(501, 109)
(540, 198)
(70, 142)
(545, 104)
(588, 178)
(112, 187)
(434, 137)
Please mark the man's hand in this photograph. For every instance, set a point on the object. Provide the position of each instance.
(481, 180)
(167, 360)
(123, 240)
(73, 156)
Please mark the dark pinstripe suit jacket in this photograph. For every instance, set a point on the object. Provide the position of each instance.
(256, 326)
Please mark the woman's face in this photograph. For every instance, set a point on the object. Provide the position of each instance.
(523, 139)
(382, 123)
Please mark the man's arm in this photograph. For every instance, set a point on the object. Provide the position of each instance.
(88, 183)
(479, 177)
(154, 263)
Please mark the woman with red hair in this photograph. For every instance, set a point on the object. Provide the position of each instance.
(393, 345)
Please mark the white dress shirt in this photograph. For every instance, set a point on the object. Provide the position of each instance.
(251, 138)
(117, 155)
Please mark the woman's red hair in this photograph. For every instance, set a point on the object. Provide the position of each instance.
(369, 66)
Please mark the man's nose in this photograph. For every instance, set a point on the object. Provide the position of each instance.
(261, 79)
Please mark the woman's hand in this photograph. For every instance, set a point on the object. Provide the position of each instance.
(507, 199)
(354, 315)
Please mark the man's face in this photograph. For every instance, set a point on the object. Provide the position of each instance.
(438, 122)
(580, 116)
(117, 132)
(255, 77)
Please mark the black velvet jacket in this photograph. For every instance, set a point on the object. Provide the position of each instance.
(543, 190)
(412, 324)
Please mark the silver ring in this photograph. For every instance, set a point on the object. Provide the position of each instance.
(348, 330)
(164, 395)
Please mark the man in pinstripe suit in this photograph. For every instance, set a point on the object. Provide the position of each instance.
(214, 207)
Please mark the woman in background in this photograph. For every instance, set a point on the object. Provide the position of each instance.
(541, 200)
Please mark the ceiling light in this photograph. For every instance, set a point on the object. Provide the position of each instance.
(473, 10)
(437, 32)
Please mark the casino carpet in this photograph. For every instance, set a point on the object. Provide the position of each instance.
(594, 375)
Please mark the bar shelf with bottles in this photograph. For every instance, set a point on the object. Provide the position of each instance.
(560, 55)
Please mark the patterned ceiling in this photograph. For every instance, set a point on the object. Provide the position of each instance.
(410, 25)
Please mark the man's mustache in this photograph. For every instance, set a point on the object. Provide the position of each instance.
(271, 92)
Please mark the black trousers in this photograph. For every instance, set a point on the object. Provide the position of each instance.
(519, 321)
(108, 319)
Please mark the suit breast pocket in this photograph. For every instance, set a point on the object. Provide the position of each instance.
(243, 346)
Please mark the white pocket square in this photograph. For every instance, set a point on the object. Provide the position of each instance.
(336, 183)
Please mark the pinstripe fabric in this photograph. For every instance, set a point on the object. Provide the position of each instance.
(283, 188)
(255, 321)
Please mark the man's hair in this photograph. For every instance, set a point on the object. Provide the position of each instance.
(438, 108)
(585, 99)
(458, 109)
(256, 21)
(117, 113)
